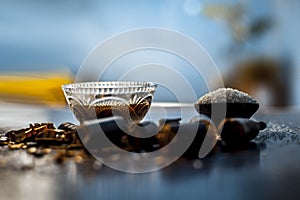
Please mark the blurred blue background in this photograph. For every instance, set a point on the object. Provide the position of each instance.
(254, 43)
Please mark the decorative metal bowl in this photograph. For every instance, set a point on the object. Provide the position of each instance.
(92, 100)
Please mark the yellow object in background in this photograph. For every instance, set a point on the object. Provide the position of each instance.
(34, 87)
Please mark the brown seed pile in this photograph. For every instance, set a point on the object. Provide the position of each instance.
(40, 138)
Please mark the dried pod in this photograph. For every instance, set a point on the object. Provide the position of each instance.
(26, 134)
(114, 129)
(237, 103)
(142, 138)
(238, 131)
(122, 134)
(168, 130)
(203, 129)
(206, 132)
(54, 136)
(166, 135)
(171, 122)
(128, 139)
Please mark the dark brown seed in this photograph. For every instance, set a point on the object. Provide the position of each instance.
(27, 134)
(39, 153)
(68, 126)
(47, 150)
(4, 140)
(15, 146)
(52, 136)
(31, 144)
(60, 157)
(17, 135)
(69, 153)
(32, 150)
(78, 159)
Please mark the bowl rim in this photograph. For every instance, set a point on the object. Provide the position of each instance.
(110, 84)
(112, 88)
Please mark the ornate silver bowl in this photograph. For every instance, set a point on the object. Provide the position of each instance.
(92, 100)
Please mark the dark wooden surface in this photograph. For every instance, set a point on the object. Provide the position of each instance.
(268, 169)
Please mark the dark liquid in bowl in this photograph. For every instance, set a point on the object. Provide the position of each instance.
(134, 112)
